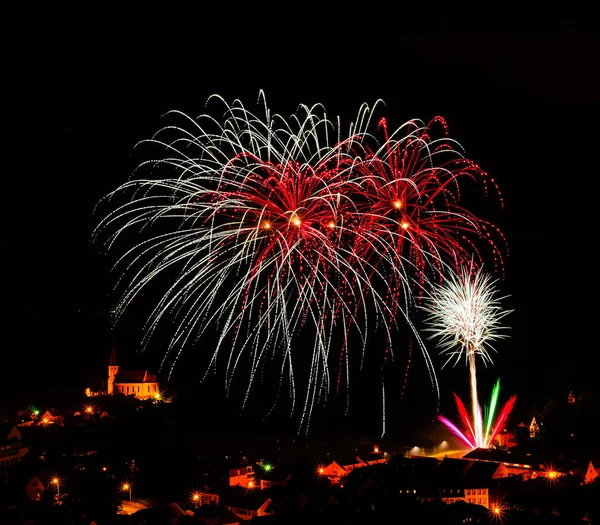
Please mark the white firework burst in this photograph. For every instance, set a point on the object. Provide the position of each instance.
(466, 314)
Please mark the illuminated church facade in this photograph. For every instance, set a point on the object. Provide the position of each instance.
(138, 383)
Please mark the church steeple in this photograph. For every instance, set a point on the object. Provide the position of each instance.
(113, 369)
(113, 355)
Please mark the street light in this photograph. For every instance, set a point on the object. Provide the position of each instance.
(56, 483)
(196, 499)
(126, 487)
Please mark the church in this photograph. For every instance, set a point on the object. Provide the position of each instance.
(137, 383)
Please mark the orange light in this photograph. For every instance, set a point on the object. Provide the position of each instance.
(266, 225)
(104, 469)
(376, 449)
(552, 474)
(55, 481)
(250, 484)
(321, 470)
(126, 486)
(331, 224)
(196, 497)
(296, 221)
(404, 225)
(397, 204)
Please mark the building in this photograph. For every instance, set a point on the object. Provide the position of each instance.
(51, 417)
(591, 473)
(136, 383)
(336, 470)
(274, 477)
(206, 498)
(465, 480)
(411, 477)
(12, 448)
(525, 463)
(247, 504)
(35, 488)
(243, 476)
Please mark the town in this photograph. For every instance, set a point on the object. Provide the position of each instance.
(132, 454)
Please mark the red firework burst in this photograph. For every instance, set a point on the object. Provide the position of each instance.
(409, 205)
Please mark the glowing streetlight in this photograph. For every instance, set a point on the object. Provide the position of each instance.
(196, 499)
(496, 509)
(56, 483)
(89, 410)
(126, 487)
(551, 474)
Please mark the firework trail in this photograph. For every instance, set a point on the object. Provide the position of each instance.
(466, 315)
(279, 226)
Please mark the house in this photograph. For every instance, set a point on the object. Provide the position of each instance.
(274, 477)
(479, 479)
(203, 498)
(51, 417)
(590, 474)
(454, 482)
(486, 470)
(449, 480)
(12, 449)
(350, 463)
(336, 470)
(411, 477)
(137, 383)
(243, 476)
(518, 462)
(35, 488)
(247, 504)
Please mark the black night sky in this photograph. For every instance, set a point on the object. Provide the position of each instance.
(519, 91)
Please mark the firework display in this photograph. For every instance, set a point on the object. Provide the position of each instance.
(466, 315)
(493, 426)
(278, 226)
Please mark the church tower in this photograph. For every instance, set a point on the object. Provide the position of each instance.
(113, 369)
